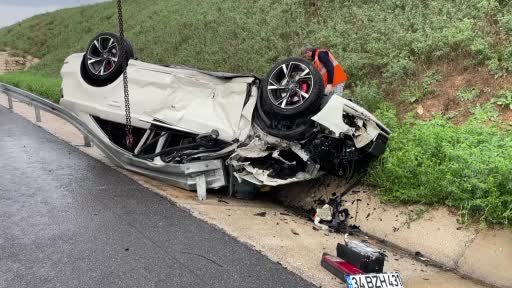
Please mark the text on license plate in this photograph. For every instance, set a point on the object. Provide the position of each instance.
(382, 280)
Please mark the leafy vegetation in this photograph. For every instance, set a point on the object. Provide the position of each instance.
(418, 90)
(466, 94)
(436, 162)
(366, 94)
(374, 40)
(504, 98)
(38, 84)
(413, 92)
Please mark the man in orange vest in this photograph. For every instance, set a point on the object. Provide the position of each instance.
(331, 70)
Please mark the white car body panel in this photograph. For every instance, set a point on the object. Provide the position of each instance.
(185, 98)
(331, 118)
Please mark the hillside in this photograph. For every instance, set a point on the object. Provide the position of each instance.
(440, 67)
(386, 40)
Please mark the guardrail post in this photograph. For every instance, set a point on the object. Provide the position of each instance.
(9, 100)
(38, 113)
(87, 141)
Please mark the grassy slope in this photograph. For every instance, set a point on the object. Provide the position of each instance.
(380, 39)
(37, 83)
(390, 42)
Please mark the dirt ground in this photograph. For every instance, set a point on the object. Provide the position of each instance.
(455, 75)
(283, 237)
(10, 63)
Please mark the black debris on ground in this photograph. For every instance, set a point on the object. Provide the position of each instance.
(222, 201)
(418, 254)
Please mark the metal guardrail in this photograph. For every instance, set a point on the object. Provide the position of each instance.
(39, 104)
(191, 176)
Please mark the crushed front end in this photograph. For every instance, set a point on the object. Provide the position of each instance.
(344, 139)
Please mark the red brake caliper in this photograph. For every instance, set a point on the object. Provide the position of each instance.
(304, 86)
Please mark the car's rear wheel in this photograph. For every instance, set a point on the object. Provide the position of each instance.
(104, 59)
(292, 89)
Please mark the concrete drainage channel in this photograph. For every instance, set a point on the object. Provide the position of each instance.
(291, 241)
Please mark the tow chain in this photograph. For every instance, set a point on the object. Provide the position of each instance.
(128, 128)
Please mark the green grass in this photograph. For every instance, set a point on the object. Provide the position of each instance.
(366, 94)
(374, 40)
(39, 84)
(467, 94)
(436, 162)
(504, 98)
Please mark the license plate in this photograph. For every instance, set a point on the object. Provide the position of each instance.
(381, 280)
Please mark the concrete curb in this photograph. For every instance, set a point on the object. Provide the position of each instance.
(482, 255)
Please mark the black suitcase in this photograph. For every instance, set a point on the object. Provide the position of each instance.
(362, 256)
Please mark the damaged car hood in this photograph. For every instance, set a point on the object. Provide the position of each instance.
(367, 126)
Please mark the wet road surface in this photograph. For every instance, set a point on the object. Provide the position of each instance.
(68, 220)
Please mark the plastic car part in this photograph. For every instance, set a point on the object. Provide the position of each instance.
(338, 267)
(362, 256)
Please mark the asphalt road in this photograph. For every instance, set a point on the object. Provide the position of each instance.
(68, 220)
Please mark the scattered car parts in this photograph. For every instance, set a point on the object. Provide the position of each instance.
(362, 256)
(360, 265)
(338, 267)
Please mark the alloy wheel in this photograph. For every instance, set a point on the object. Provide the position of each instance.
(102, 55)
(290, 85)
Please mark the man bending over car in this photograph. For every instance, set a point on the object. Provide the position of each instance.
(331, 70)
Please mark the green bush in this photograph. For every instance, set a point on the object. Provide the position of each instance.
(387, 114)
(39, 84)
(399, 70)
(413, 92)
(417, 90)
(504, 98)
(505, 22)
(501, 62)
(366, 94)
(466, 94)
(374, 40)
(436, 162)
(484, 113)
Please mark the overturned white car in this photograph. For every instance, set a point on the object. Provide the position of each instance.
(199, 130)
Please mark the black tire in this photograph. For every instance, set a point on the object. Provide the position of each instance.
(288, 129)
(109, 54)
(297, 130)
(129, 49)
(272, 102)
